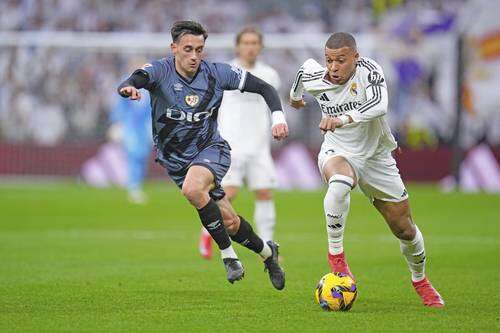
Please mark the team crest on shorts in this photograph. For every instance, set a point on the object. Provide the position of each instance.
(192, 100)
(354, 89)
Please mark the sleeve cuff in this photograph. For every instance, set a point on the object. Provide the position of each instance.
(294, 98)
(278, 117)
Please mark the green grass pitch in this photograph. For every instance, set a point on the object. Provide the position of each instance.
(79, 259)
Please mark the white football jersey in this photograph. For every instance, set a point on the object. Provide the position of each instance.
(363, 97)
(244, 118)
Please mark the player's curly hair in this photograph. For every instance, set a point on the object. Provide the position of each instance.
(181, 28)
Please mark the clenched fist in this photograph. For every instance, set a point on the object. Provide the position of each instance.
(280, 131)
(330, 124)
(132, 92)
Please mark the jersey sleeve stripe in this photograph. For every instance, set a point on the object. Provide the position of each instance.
(374, 101)
(368, 65)
(312, 78)
(242, 80)
(377, 97)
(295, 85)
(314, 73)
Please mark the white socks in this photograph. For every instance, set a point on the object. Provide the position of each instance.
(228, 253)
(265, 218)
(266, 251)
(414, 252)
(336, 206)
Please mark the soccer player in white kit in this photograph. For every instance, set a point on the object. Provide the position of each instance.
(244, 122)
(352, 94)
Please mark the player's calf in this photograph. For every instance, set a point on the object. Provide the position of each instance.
(336, 205)
(211, 218)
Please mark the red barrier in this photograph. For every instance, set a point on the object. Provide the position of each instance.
(67, 159)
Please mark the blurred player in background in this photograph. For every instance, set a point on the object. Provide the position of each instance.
(131, 126)
(244, 122)
(186, 94)
(352, 94)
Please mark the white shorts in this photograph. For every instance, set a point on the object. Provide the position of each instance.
(378, 176)
(257, 171)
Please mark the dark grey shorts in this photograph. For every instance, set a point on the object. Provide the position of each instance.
(217, 159)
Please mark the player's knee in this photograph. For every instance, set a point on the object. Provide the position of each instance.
(406, 232)
(193, 192)
(264, 194)
(339, 186)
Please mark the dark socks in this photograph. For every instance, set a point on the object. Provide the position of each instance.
(247, 237)
(211, 218)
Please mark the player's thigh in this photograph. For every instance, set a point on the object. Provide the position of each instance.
(198, 178)
(261, 172)
(231, 219)
(217, 159)
(338, 165)
(398, 217)
(381, 179)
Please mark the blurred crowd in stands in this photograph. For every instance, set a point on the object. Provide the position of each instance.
(54, 95)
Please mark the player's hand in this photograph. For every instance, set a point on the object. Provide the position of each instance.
(132, 92)
(329, 124)
(280, 131)
(297, 104)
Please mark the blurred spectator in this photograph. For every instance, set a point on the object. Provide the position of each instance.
(414, 41)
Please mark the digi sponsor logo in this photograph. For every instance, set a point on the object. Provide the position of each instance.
(180, 115)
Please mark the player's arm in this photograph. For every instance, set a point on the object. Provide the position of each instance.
(375, 105)
(146, 77)
(377, 99)
(130, 87)
(255, 85)
(297, 91)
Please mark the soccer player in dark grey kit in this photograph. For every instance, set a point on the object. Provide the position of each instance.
(186, 93)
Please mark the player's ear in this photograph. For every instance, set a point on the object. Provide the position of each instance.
(173, 47)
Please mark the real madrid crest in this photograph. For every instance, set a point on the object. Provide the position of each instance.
(354, 89)
(192, 100)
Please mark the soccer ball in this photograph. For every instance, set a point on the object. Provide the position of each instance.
(336, 292)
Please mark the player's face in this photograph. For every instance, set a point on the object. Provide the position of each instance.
(249, 47)
(188, 52)
(341, 63)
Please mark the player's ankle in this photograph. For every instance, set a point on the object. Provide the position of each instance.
(228, 253)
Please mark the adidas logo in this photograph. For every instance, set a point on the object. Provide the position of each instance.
(324, 98)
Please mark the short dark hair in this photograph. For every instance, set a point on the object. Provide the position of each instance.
(181, 28)
(338, 40)
(249, 30)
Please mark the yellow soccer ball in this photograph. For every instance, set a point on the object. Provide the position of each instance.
(336, 292)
